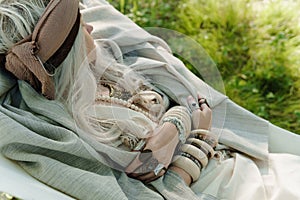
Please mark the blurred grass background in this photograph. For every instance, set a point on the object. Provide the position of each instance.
(254, 43)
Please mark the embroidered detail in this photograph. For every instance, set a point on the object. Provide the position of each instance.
(129, 141)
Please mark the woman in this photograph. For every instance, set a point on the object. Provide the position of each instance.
(142, 100)
(111, 117)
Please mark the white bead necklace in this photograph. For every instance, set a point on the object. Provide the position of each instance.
(128, 104)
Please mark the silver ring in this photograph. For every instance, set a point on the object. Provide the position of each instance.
(158, 169)
(194, 106)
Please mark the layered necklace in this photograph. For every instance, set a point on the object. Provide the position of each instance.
(119, 96)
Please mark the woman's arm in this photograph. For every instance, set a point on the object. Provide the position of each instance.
(201, 119)
(160, 146)
(201, 114)
(157, 154)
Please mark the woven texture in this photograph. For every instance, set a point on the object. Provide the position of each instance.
(42, 138)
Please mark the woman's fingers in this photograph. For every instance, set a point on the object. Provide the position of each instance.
(196, 118)
(142, 157)
(207, 112)
(196, 104)
(163, 144)
(204, 106)
(202, 117)
(156, 155)
(193, 104)
(148, 177)
(150, 170)
(133, 165)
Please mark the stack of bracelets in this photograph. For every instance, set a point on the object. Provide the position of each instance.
(196, 152)
(180, 117)
(196, 148)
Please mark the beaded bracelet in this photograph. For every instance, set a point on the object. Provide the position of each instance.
(179, 125)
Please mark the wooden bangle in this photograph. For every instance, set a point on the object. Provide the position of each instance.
(184, 154)
(196, 153)
(206, 148)
(188, 166)
(206, 136)
(181, 113)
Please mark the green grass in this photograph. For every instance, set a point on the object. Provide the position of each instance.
(255, 45)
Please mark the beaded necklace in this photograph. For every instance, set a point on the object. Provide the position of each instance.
(117, 96)
(124, 103)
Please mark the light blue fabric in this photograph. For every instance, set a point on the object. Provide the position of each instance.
(43, 140)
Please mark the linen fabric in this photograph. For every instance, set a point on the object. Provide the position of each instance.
(41, 136)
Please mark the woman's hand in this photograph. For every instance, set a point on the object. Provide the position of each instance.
(159, 149)
(202, 114)
(201, 119)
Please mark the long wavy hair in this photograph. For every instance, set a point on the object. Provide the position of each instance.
(17, 20)
(77, 77)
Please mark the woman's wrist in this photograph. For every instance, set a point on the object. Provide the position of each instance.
(182, 135)
(166, 134)
(181, 118)
(183, 174)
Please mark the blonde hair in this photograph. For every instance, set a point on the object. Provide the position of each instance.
(77, 77)
(17, 20)
(76, 86)
(66, 73)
